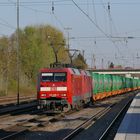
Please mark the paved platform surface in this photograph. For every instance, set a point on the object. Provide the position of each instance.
(130, 126)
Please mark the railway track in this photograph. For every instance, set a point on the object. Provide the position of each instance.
(22, 123)
(87, 123)
(29, 125)
(13, 99)
(14, 108)
(18, 110)
(34, 124)
(59, 129)
(111, 125)
(106, 126)
(8, 105)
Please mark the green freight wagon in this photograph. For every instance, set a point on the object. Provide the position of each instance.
(105, 85)
(95, 83)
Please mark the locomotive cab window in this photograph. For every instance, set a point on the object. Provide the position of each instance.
(54, 77)
(47, 77)
(60, 77)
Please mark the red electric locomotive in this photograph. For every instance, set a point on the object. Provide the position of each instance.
(63, 87)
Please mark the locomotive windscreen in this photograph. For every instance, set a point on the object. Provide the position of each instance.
(54, 77)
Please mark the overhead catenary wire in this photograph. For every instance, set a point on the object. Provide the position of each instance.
(5, 23)
(44, 12)
(96, 25)
(36, 10)
(94, 11)
(112, 24)
(110, 19)
(60, 22)
(58, 18)
(107, 10)
(54, 18)
(62, 2)
(30, 8)
(87, 7)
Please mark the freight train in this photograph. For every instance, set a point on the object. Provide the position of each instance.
(69, 88)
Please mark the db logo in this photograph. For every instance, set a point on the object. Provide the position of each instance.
(53, 88)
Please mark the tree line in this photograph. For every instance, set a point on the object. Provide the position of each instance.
(38, 47)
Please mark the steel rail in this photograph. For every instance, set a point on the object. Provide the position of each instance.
(12, 101)
(14, 97)
(115, 119)
(21, 127)
(87, 123)
(12, 109)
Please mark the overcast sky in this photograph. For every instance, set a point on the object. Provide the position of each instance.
(109, 30)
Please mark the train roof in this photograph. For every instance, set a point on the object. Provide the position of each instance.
(71, 70)
(85, 72)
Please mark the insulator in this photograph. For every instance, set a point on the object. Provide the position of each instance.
(52, 7)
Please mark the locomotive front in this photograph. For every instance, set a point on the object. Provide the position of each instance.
(52, 89)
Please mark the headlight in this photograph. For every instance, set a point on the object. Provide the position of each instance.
(43, 94)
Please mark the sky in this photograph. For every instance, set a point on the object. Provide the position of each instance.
(107, 30)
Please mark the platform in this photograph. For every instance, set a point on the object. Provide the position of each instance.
(130, 126)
